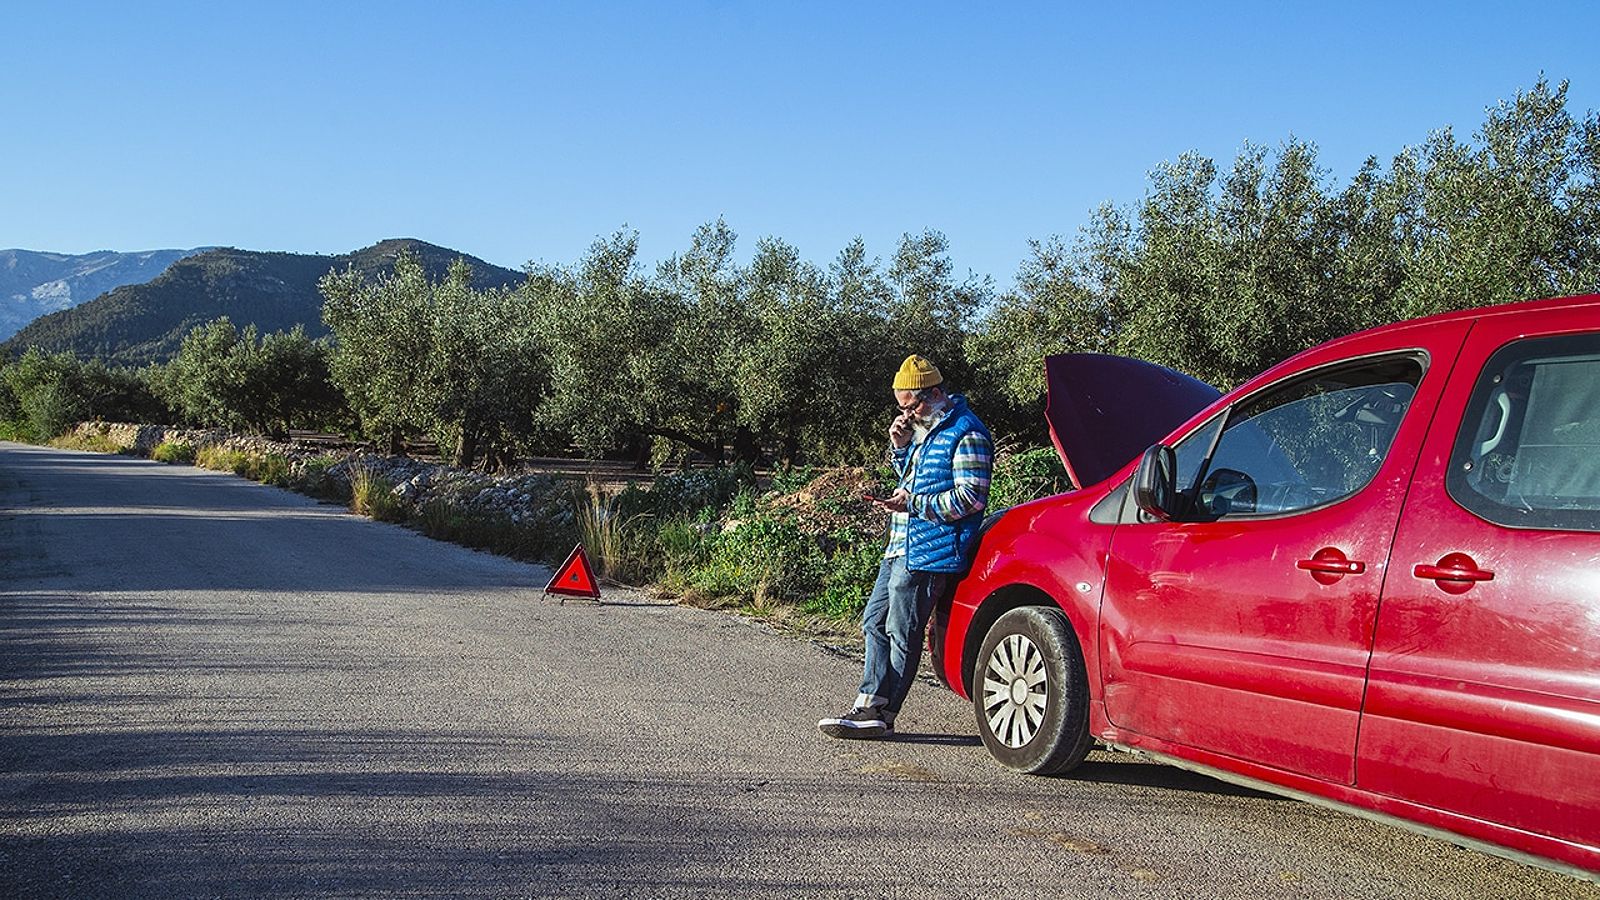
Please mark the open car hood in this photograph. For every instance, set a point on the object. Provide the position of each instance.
(1105, 410)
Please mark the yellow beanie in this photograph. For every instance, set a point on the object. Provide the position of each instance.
(916, 373)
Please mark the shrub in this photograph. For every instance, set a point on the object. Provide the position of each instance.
(311, 476)
(849, 578)
(1023, 475)
(680, 494)
(173, 452)
(54, 408)
(817, 553)
(766, 551)
(447, 520)
(42, 395)
(224, 376)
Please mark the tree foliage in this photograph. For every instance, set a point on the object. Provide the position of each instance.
(717, 357)
(607, 335)
(1219, 270)
(42, 394)
(439, 358)
(1221, 273)
(228, 378)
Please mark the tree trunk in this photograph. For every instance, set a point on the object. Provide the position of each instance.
(791, 439)
(641, 460)
(745, 447)
(466, 448)
(709, 448)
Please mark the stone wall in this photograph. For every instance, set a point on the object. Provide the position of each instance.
(521, 497)
(142, 439)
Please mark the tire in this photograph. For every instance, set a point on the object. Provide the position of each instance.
(1030, 694)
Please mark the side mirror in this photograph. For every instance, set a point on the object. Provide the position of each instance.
(1155, 483)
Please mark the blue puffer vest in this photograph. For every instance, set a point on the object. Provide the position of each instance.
(941, 546)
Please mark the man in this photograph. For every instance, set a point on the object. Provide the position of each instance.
(943, 457)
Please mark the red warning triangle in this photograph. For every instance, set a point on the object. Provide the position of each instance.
(575, 576)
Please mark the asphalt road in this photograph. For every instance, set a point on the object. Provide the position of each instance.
(213, 688)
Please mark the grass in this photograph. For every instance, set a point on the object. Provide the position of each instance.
(615, 541)
(173, 452)
(373, 496)
(683, 548)
(94, 443)
(267, 468)
(270, 468)
(221, 459)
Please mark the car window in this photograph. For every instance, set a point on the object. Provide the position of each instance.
(1528, 451)
(1190, 453)
(1299, 445)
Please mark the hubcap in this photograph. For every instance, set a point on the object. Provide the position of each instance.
(1016, 689)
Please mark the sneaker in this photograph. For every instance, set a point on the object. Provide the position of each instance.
(861, 723)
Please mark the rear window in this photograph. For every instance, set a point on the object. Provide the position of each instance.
(1528, 452)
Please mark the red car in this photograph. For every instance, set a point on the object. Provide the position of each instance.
(1368, 577)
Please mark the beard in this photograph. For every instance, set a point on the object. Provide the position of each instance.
(922, 425)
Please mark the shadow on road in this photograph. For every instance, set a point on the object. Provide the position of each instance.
(142, 768)
(59, 635)
(365, 813)
(940, 740)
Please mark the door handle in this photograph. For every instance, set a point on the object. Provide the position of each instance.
(1329, 564)
(1338, 566)
(1454, 573)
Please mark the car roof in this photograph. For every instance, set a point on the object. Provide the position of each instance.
(1483, 312)
(1331, 347)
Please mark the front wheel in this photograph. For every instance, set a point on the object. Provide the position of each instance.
(1030, 692)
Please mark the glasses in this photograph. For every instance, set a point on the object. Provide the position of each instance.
(920, 398)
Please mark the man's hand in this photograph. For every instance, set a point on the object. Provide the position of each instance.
(896, 502)
(900, 430)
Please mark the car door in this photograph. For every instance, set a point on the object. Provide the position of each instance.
(1245, 629)
(1484, 696)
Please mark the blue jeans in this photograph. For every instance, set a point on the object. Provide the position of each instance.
(893, 624)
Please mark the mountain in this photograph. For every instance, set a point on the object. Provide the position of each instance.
(33, 284)
(143, 323)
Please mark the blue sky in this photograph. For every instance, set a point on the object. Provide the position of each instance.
(522, 131)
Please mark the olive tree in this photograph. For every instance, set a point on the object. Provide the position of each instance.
(229, 378)
(606, 334)
(1512, 217)
(417, 357)
(382, 344)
